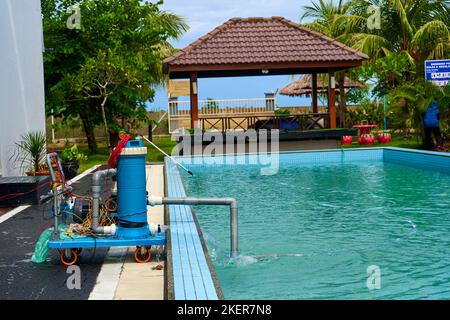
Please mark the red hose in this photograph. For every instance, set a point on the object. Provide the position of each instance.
(112, 162)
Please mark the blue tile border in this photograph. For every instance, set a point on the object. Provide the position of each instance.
(193, 276)
(291, 157)
(426, 160)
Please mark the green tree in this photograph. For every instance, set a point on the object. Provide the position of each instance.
(410, 32)
(326, 17)
(111, 65)
(417, 28)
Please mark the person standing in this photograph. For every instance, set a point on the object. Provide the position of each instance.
(431, 126)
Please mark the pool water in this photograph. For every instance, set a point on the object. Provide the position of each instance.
(311, 232)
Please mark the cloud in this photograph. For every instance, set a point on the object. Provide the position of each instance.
(204, 15)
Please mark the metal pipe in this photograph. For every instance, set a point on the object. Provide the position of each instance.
(96, 189)
(55, 211)
(234, 243)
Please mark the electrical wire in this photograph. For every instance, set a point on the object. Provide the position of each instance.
(18, 194)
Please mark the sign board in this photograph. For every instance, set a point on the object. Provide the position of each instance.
(178, 88)
(438, 71)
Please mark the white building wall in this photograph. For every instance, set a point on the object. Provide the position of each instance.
(21, 76)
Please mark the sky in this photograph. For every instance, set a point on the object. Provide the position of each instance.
(204, 15)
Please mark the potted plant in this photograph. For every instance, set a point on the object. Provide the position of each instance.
(30, 153)
(70, 161)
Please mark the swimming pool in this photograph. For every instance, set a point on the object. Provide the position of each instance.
(314, 229)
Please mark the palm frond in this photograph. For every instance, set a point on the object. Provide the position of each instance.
(405, 24)
(432, 36)
(371, 44)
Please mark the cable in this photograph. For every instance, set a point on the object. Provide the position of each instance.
(17, 194)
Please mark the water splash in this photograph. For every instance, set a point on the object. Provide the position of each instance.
(243, 260)
(246, 260)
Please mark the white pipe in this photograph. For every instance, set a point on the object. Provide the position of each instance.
(96, 189)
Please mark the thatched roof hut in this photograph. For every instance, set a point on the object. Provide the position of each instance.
(303, 86)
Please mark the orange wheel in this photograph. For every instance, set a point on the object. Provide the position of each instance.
(69, 261)
(143, 254)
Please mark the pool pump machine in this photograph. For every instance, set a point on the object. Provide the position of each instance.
(111, 218)
(107, 218)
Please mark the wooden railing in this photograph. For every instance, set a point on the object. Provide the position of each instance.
(242, 123)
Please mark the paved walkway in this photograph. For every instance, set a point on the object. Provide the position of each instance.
(105, 274)
(20, 278)
(121, 278)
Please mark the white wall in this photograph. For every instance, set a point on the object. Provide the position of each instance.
(21, 76)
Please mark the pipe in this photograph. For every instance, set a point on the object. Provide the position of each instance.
(171, 158)
(153, 200)
(96, 189)
(55, 211)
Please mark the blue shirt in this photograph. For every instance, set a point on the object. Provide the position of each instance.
(431, 115)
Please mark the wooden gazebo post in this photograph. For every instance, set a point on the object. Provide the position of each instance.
(332, 98)
(314, 93)
(194, 99)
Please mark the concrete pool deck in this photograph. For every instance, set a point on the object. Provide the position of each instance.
(120, 277)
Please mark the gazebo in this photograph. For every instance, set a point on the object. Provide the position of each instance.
(303, 86)
(258, 47)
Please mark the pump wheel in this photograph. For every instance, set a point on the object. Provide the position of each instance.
(143, 254)
(69, 261)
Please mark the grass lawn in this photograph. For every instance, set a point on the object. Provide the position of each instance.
(101, 157)
(399, 142)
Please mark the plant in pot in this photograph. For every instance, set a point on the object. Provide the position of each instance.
(30, 153)
(70, 161)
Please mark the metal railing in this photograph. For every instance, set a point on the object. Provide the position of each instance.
(226, 106)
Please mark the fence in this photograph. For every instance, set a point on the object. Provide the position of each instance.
(72, 129)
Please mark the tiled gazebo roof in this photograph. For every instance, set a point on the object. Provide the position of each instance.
(247, 43)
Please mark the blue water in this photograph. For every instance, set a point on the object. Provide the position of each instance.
(311, 232)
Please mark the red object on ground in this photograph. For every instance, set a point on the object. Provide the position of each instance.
(384, 138)
(367, 139)
(112, 162)
(364, 129)
(347, 140)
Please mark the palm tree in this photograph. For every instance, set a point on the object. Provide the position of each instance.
(411, 32)
(327, 16)
(415, 30)
(419, 28)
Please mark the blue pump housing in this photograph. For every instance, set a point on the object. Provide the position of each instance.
(132, 192)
